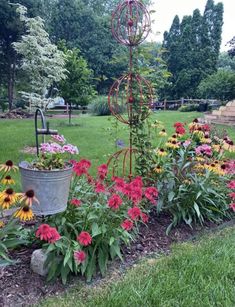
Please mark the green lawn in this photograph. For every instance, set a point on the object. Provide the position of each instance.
(200, 274)
(89, 133)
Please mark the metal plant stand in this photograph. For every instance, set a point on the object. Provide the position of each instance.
(45, 128)
(130, 27)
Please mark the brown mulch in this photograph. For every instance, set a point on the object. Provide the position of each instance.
(17, 114)
(19, 286)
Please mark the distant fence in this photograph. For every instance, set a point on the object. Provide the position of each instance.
(176, 104)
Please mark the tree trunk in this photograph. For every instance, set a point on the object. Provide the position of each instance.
(11, 82)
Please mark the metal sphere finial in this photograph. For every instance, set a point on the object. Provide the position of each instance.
(130, 23)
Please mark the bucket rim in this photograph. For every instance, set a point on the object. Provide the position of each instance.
(21, 167)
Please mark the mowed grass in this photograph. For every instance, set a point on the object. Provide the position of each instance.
(200, 274)
(89, 133)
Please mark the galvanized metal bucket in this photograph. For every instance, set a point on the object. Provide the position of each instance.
(51, 188)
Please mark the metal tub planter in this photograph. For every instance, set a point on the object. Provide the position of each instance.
(51, 188)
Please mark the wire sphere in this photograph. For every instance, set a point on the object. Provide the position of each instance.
(131, 23)
(119, 162)
(130, 98)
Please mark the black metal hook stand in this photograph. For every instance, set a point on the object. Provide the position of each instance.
(45, 127)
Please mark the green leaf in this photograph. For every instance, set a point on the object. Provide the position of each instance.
(67, 256)
(102, 261)
(195, 205)
(91, 268)
(95, 229)
(64, 273)
(111, 240)
(171, 196)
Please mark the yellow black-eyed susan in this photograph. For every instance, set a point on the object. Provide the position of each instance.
(24, 213)
(8, 166)
(6, 203)
(158, 169)
(162, 132)
(8, 180)
(10, 194)
(161, 152)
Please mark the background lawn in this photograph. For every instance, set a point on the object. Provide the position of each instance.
(201, 274)
(90, 133)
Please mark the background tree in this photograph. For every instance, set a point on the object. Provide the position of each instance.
(11, 30)
(226, 62)
(231, 51)
(220, 85)
(42, 61)
(77, 87)
(193, 49)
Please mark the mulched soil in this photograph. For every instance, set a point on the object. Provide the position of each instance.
(19, 286)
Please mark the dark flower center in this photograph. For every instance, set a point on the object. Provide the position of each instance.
(162, 150)
(195, 120)
(7, 200)
(26, 209)
(212, 165)
(30, 193)
(163, 130)
(9, 191)
(223, 166)
(8, 177)
(9, 163)
(174, 142)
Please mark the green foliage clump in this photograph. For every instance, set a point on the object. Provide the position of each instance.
(101, 211)
(220, 85)
(77, 88)
(189, 108)
(100, 106)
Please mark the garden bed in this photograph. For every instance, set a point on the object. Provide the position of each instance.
(20, 286)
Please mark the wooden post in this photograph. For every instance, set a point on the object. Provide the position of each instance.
(182, 101)
(165, 103)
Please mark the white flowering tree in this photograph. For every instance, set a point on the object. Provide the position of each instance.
(42, 61)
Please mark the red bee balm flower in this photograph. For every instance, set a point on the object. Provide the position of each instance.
(127, 225)
(81, 167)
(84, 238)
(75, 202)
(232, 195)
(178, 124)
(79, 256)
(232, 206)
(231, 184)
(120, 185)
(99, 187)
(102, 171)
(115, 202)
(47, 233)
(151, 194)
(134, 213)
(144, 217)
(180, 130)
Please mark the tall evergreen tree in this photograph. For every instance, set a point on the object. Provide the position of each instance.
(10, 31)
(193, 49)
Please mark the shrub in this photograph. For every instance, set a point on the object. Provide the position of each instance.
(189, 108)
(100, 106)
(192, 175)
(101, 217)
